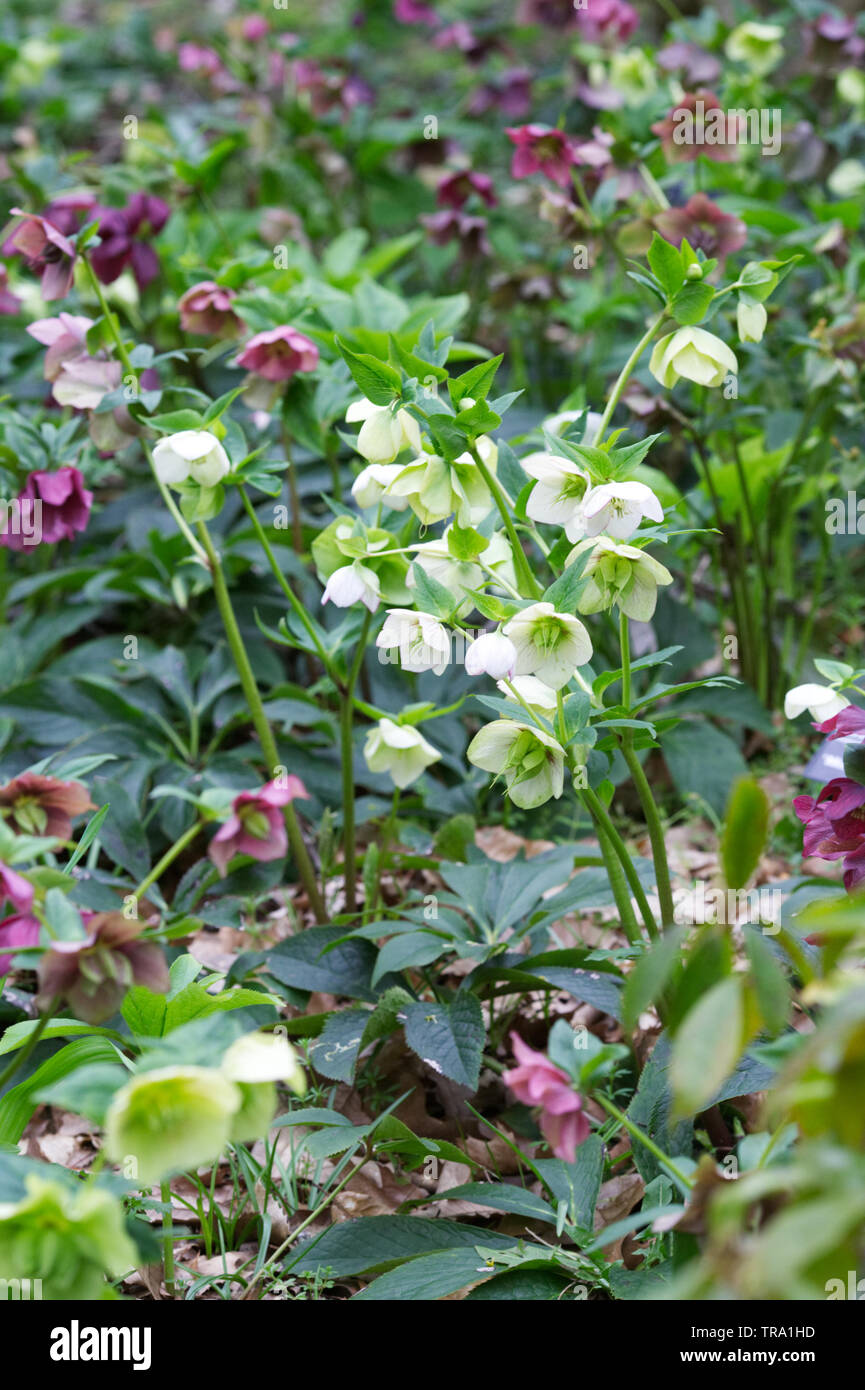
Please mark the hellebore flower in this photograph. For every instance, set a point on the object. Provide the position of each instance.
(35, 805)
(384, 433)
(422, 642)
(9, 302)
(435, 559)
(48, 252)
(751, 319)
(542, 149)
(621, 574)
(255, 1063)
(372, 482)
(694, 354)
(436, 489)
(455, 189)
(560, 491)
(452, 225)
(256, 825)
(820, 701)
(697, 125)
(357, 565)
(93, 974)
(80, 380)
(206, 308)
(533, 692)
(848, 721)
(171, 1119)
(704, 226)
(530, 760)
(607, 19)
(536, 1081)
(835, 826)
(756, 45)
(400, 750)
(354, 583)
(69, 1237)
(123, 236)
(618, 509)
(17, 889)
(548, 644)
(491, 654)
(279, 354)
(60, 500)
(16, 932)
(694, 63)
(191, 454)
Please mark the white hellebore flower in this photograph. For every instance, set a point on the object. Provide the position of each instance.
(558, 424)
(694, 354)
(195, 454)
(819, 700)
(549, 645)
(621, 574)
(559, 492)
(422, 642)
(436, 489)
(538, 696)
(261, 1057)
(618, 509)
(531, 761)
(491, 654)
(354, 583)
(384, 433)
(400, 750)
(371, 483)
(751, 319)
(435, 559)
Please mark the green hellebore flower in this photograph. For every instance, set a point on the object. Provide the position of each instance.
(548, 644)
(171, 1119)
(694, 354)
(436, 489)
(70, 1238)
(530, 760)
(255, 1063)
(620, 574)
(345, 543)
(756, 45)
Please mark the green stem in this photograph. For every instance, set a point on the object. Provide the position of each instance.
(168, 858)
(294, 495)
(523, 568)
(601, 816)
(346, 727)
(167, 1240)
(624, 374)
(259, 719)
(295, 602)
(615, 874)
(24, 1052)
(685, 1183)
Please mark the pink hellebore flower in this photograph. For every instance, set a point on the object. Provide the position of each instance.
(842, 725)
(542, 149)
(16, 888)
(256, 825)
(79, 379)
(835, 826)
(702, 223)
(9, 302)
(254, 27)
(278, 354)
(607, 19)
(206, 308)
(413, 12)
(64, 505)
(47, 250)
(16, 932)
(536, 1081)
(194, 57)
(35, 805)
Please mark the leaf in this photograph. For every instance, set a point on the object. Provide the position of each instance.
(378, 381)
(304, 962)
(449, 1037)
(380, 1242)
(707, 1046)
(121, 833)
(666, 264)
(523, 1285)
(476, 382)
(18, 1104)
(410, 948)
(86, 1091)
(703, 761)
(334, 1052)
(745, 831)
(770, 983)
(431, 596)
(576, 1184)
(691, 303)
(503, 1196)
(17, 1034)
(430, 1277)
(646, 981)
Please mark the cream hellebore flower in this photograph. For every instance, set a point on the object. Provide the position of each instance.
(620, 574)
(558, 424)
(400, 750)
(384, 432)
(533, 692)
(423, 643)
(372, 482)
(436, 561)
(751, 319)
(436, 489)
(491, 654)
(694, 354)
(531, 761)
(756, 45)
(195, 454)
(559, 492)
(354, 583)
(171, 1119)
(820, 701)
(255, 1063)
(549, 645)
(618, 509)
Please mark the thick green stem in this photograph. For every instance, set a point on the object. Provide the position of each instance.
(616, 875)
(521, 564)
(167, 1240)
(259, 719)
(601, 817)
(624, 374)
(685, 1183)
(346, 726)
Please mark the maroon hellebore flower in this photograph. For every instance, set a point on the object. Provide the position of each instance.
(256, 825)
(696, 105)
(835, 826)
(48, 252)
(93, 974)
(542, 149)
(278, 354)
(413, 12)
(848, 721)
(206, 308)
(450, 225)
(16, 932)
(607, 19)
(455, 189)
(702, 223)
(64, 503)
(511, 94)
(123, 239)
(16, 888)
(536, 1081)
(35, 805)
